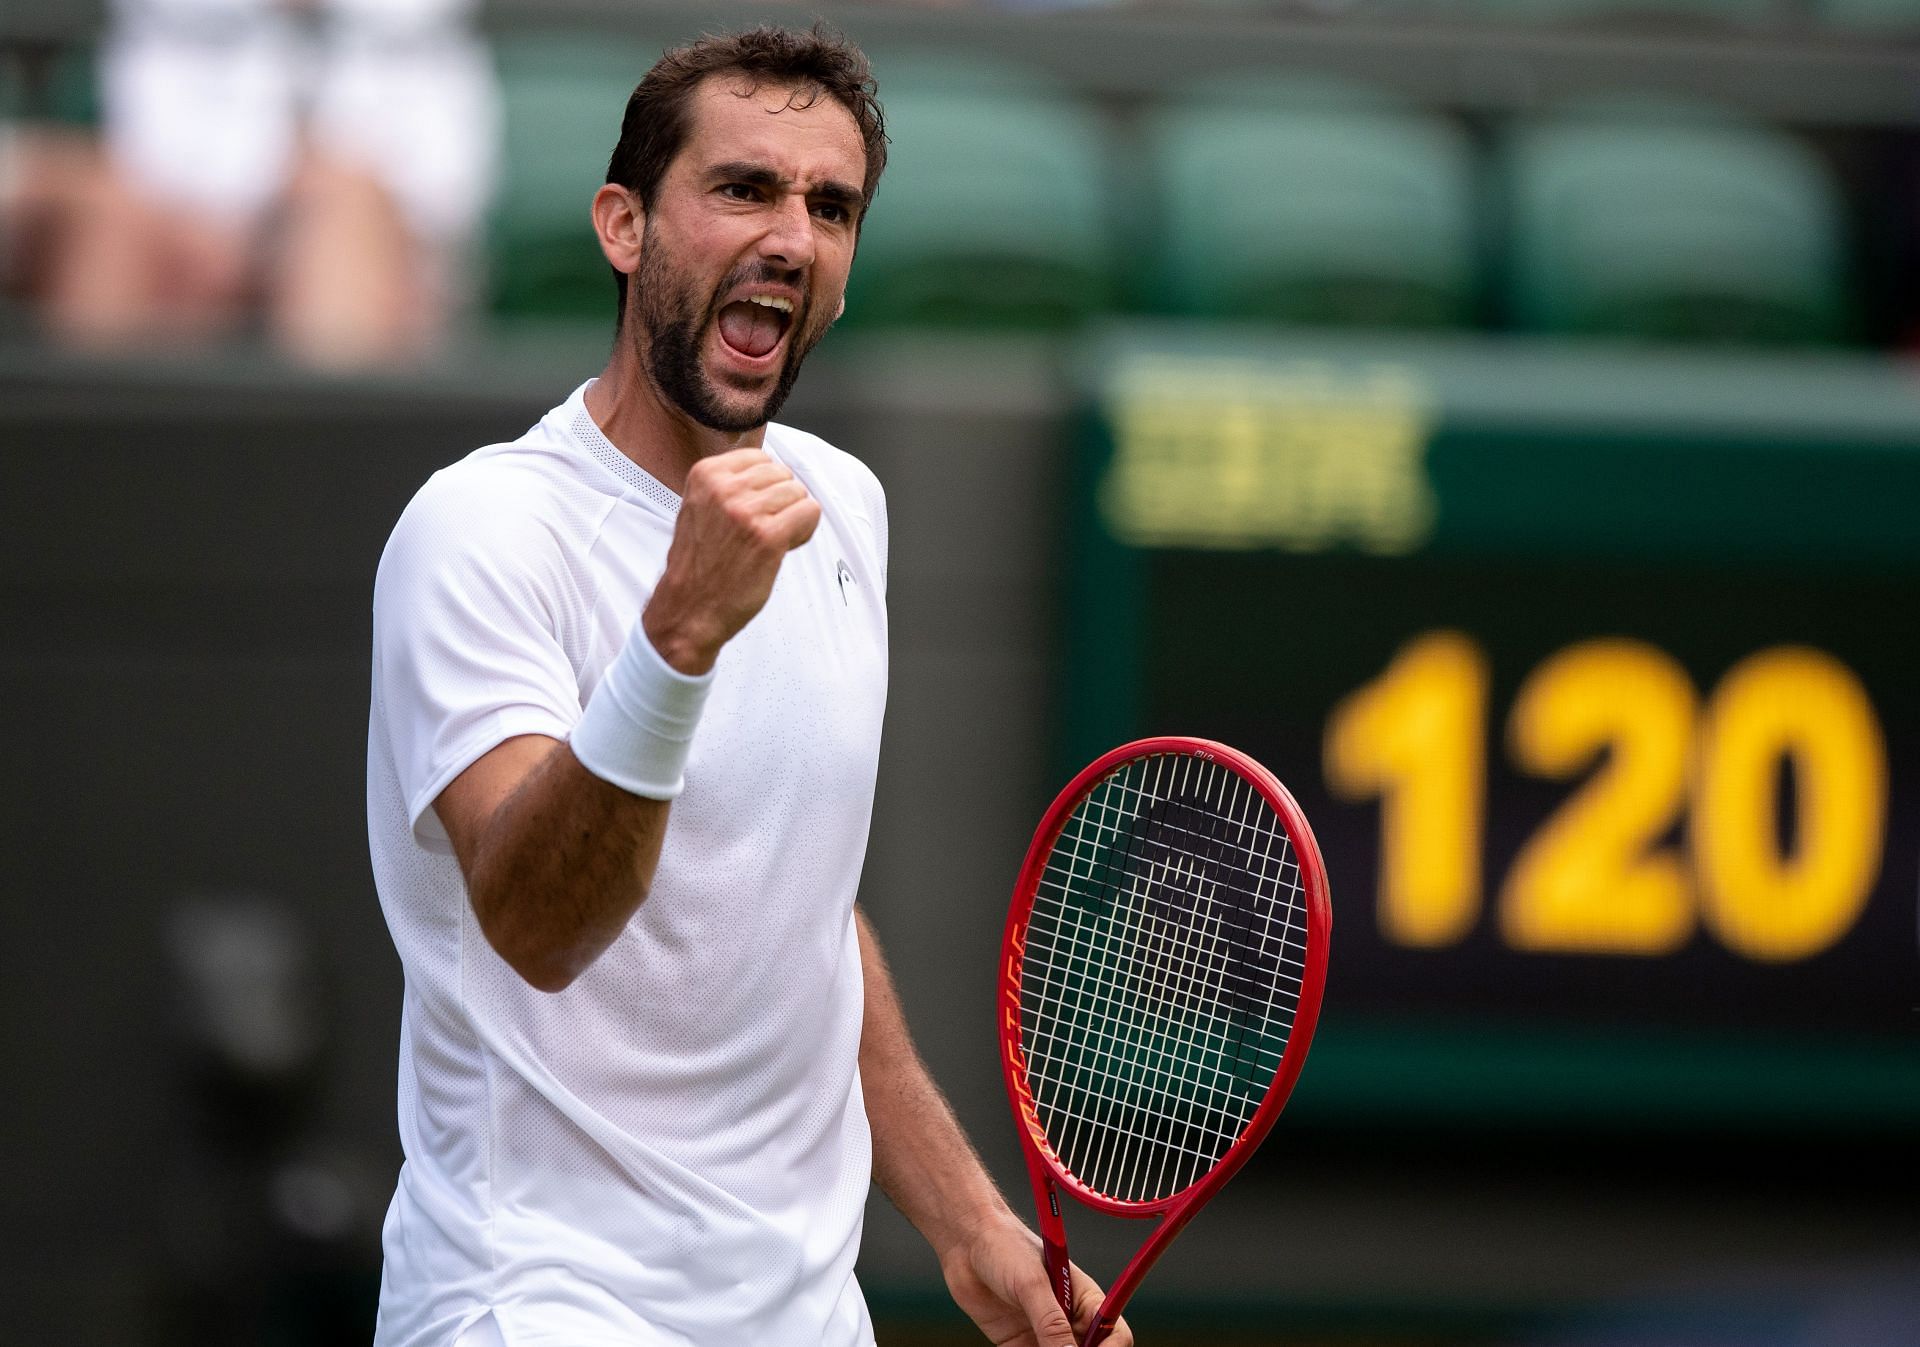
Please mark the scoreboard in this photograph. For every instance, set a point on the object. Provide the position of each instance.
(1598, 673)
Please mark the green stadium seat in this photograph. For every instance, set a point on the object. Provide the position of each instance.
(60, 87)
(563, 96)
(1687, 229)
(994, 210)
(1312, 203)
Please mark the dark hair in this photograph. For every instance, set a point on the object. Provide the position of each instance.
(815, 63)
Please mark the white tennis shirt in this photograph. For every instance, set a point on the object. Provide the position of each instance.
(673, 1150)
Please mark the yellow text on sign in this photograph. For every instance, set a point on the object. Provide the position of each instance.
(1591, 878)
(1596, 878)
(1429, 708)
(1224, 454)
(1803, 706)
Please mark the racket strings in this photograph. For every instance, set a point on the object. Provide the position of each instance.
(1161, 974)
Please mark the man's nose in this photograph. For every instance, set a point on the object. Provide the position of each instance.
(789, 237)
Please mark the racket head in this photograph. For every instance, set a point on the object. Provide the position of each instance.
(1289, 882)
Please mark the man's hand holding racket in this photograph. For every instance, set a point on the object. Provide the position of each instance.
(996, 1275)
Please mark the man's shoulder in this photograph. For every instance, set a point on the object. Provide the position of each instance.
(531, 479)
(512, 504)
(499, 475)
(814, 458)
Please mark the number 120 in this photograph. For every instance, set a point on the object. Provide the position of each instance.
(1591, 879)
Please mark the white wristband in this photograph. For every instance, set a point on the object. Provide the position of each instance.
(638, 727)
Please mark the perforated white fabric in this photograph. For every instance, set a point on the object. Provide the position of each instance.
(674, 1150)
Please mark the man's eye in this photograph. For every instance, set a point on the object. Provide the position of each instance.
(832, 211)
(739, 191)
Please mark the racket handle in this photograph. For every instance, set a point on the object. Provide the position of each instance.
(1059, 1273)
(1098, 1333)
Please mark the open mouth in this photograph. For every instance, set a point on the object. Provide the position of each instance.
(752, 328)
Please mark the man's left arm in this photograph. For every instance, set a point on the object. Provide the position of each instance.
(924, 1163)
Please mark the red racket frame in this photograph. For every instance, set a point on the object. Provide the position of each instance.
(1044, 1166)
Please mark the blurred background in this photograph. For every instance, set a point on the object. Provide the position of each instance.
(1499, 416)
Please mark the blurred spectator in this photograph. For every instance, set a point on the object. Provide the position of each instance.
(44, 169)
(322, 165)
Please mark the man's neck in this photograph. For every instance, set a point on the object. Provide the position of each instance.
(663, 440)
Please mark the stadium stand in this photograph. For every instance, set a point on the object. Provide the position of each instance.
(1669, 225)
(1312, 202)
(563, 93)
(995, 210)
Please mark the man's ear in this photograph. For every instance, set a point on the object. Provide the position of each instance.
(620, 222)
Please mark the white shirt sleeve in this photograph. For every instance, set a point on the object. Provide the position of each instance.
(468, 646)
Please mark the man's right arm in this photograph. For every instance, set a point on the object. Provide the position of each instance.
(556, 858)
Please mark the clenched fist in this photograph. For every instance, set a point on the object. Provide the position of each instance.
(741, 514)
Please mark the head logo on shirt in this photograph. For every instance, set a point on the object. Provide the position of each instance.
(845, 576)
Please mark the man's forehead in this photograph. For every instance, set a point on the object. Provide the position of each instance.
(802, 133)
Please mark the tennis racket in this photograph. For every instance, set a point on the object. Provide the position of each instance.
(1160, 977)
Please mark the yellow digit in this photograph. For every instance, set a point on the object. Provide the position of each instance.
(1589, 881)
(1805, 707)
(1415, 737)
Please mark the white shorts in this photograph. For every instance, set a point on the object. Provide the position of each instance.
(209, 113)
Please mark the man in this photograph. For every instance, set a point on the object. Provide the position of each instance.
(628, 681)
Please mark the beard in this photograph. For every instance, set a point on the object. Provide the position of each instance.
(673, 323)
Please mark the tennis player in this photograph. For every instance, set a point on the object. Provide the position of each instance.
(628, 679)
